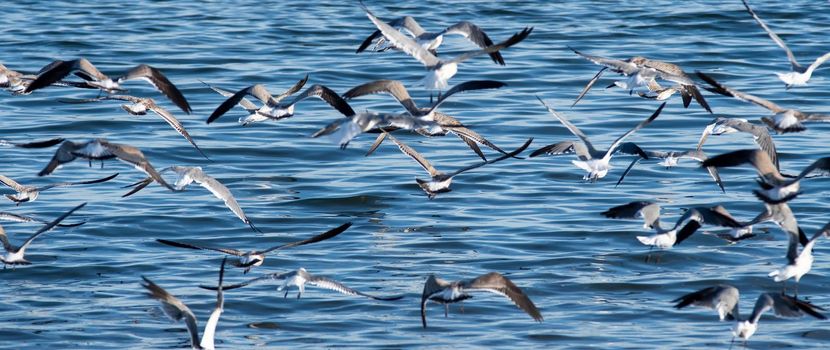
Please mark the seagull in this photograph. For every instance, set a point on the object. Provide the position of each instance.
(642, 72)
(15, 255)
(253, 258)
(724, 298)
(101, 149)
(30, 193)
(721, 126)
(299, 278)
(7, 216)
(595, 162)
(782, 121)
(432, 40)
(82, 67)
(440, 71)
(17, 82)
(272, 107)
(187, 175)
(440, 182)
(396, 89)
(139, 106)
(799, 75)
(668, 160)
(343, 130)
(176, 310)
(685, 226)
(802, 264)
(446, 292)
(775, 187)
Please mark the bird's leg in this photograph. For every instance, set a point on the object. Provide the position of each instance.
(796, 290)
(461, 305)
(648, 256)
(90, 163)
(102, 163)
(784, 290)
(286, 294)
(446, 309)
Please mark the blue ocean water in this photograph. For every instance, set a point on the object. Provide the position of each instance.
(534, 220)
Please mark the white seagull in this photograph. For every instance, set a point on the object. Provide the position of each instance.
(775, 188)
(440, 71)
(57, 70)
(801, 265)
(139, 106)
(15, 255)
(30, 193)
(439, 182)
(722, 126)
(596, 163)
(447, 292)
(252, 258)
(299, 278)
(686, 225)
(782, 121)
(725, 298)
(432, 40)
(101, 149)
(187, 175)
(176, 310)
(799, 75)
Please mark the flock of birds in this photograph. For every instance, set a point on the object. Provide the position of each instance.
(643, 75)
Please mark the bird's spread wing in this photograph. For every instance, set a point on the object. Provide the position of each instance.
(393, 87)
(327, 283)
(160, 82)
(476, 35)
(572, 128)
(318, 238)
(723, 90)
(774, 37)
(412, 153)
(197, 247)
(49, 226)
(639, 126)
(496, 283)
(173, 308)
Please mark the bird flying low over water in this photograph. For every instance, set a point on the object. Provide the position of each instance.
(725, 299)
(775, 187)
(439, 70)
(642, 71)
(440, 182)
(432, 40)
(139, 106)
(176, 310)
(396, 89)
(30, 193)
(187, 175)
(249, 259)
(782, 121)
(801, 265)
(7, 216)
(299, 278)
(447, 292)
(686, 225)
(667, 159)
(101, 149)
(273, 107)
(58, 70)
(799, 74)
(15, 255)
(595, 162)
(722, 126)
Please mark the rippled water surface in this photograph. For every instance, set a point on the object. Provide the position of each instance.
(534, 220)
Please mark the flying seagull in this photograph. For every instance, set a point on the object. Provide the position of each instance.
(101, 149)
(775, 188)
(249, 259)
(273, 107)
(782, 121)
(799, 75)
(798, 267)
(300, 278)
(668, 160)
(83, 68)
(440, 182)
(432, 40)
(686, 225)
(396, 89)
(139, 106)
(176, 310)
(15, 254)
(725, 298)
(33, 144)
(7, 216)
(30, 193)
(642, 72)
(446, 292)
(187, 175)
(439, 70)
(596, 163)
(721, 126)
